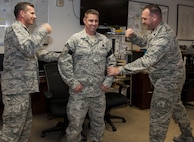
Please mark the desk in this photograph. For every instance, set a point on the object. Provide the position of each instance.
(142, 90)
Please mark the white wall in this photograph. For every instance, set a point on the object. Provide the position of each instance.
(65, 22)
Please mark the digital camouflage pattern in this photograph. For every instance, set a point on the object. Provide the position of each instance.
(20, 78)
(166, 68)
(84, 60)
(17, 118)
(20, 59)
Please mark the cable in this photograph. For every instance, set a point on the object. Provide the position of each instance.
(74, 10)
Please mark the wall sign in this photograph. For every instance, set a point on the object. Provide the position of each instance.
(185, 22)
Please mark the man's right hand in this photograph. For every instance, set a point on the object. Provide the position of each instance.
(129, 33)
(47, 27)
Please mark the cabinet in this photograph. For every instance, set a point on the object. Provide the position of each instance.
(142, 90)
(187, 94)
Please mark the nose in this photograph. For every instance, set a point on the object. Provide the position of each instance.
(142, 21)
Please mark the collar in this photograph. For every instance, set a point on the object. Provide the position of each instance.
(157, 29)
(22, 25)
(84, 35)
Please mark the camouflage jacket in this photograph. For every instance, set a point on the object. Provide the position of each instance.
(162, 59)
(20, 66)
(85, 62)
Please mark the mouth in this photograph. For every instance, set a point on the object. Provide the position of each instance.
(93, 27)
(143, 24)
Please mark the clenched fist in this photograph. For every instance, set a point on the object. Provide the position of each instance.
(47, 27)
(129, 33)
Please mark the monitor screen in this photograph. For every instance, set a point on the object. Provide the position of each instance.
(112, 12)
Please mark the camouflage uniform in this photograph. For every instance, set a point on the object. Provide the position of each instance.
(20, 78)
(84, 62)
(164, 62)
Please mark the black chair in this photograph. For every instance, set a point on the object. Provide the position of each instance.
(56, 99)
(115, 100)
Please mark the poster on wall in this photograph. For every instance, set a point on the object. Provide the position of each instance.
(185, 22)
(134, 15)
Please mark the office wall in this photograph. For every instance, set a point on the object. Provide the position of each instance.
(65, 20)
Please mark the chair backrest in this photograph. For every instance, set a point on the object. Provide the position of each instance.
(58, 88)
(54, 82)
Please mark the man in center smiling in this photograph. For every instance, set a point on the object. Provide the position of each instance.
(82, 66)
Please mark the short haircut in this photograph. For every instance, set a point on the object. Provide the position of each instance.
(91, 11)
(154, 9)
(21, 6)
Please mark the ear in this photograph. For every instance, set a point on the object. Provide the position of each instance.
(154, 17)
(22, 13)
(84, 20)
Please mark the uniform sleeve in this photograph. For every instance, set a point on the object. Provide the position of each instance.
(47, 56)
(157, 49)
(111, 61)
(65, 66)
(29, 43)
(141, 41)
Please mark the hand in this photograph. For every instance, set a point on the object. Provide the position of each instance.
(129, 33)
(78, 88)
(47, 27)
(113, 70)
(104, 88)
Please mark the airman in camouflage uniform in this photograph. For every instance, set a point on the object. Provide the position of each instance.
(20, 75)
(82, 66)
(164, 62)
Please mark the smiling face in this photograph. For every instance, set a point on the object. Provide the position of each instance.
(25, 13)
(150, 20)
(28, 16)
(147, 19)
(91, 22)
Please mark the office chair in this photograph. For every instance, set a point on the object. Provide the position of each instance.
(115, 100)
(56, 99)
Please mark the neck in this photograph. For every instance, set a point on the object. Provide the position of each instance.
(22, 21)
(91, 33)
